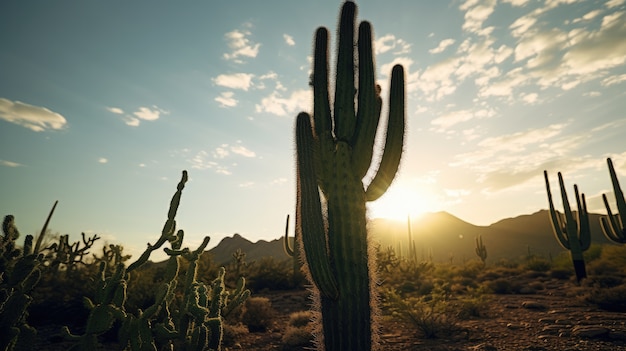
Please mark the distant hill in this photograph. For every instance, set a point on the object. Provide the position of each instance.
(223, 253)
(440, 233)
(446, 235)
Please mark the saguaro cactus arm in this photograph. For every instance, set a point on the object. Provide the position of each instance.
(614, 226)
(311, 220)
(288, 249)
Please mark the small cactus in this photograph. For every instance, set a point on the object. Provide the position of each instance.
(573, 235)
(614, 226)
(481, 250)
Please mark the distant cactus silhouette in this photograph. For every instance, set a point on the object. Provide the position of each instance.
(481, 250)
(614, 226)
(573, 235)
(334, 154)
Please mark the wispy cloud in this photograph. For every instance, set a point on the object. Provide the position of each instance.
(289, 40)
(242, 151)
(512, 160)
(443, 45)
(452, 118)
(147, 114)
(227, 99)
(241, 46)
(116, 110)
(476, 13)
(217, 159)
(282, 106)
(241, 81)
(389, 43)
(141, 114)
(103, 160)
(35, 118)
(10, 164)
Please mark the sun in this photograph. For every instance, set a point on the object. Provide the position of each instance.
(402, 200)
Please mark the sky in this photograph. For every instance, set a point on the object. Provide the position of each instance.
(104, 103)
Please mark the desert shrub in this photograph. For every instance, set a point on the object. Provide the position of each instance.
(537, 264)
(433, 315)
(612, 261)
(471, 269)
(561, 273)
(506, 263)
(258, 314)
(232, 333)
(498, 273)
(593, 253)
(609, 299)
(502, 286)
(300, 319)
(297, 338)
(473, 303)
(270, 274)
(562, 261)
(536, 286)
(299, 332)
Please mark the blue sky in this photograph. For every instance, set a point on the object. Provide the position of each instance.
(104, 103)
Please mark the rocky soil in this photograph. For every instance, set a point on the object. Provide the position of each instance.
(539, 320)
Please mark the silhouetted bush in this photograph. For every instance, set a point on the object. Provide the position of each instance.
(299, 332)
(258, 314)
(270, 274)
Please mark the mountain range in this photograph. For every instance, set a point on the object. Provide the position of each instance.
(440, 235)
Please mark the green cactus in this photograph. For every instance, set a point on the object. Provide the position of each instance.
(573, 235)
(20, 272)
(334, 156)
(614, 226)
(481, 250)
(192, 323)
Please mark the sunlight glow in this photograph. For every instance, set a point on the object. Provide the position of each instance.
(404, 199)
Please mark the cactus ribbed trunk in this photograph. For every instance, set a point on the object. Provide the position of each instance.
(347, 235)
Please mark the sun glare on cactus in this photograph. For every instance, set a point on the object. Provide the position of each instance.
(402, 200)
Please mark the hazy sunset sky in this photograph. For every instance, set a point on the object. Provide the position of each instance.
(104, 103)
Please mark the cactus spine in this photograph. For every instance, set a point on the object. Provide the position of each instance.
(614, 226)
(334, 154)
(573, 235)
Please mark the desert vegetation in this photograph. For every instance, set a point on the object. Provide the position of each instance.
(357, 295)
(427, 302)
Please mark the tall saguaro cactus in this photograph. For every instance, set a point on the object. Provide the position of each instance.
(614, 226)
(334, 155)
(573, 235)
